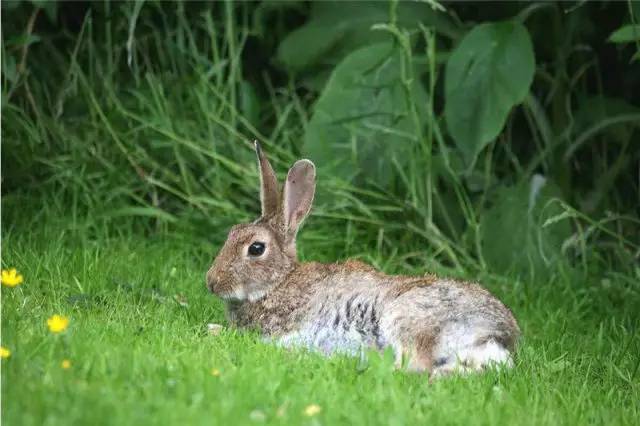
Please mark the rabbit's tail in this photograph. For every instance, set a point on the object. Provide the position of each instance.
(477, 357)
(458, 350)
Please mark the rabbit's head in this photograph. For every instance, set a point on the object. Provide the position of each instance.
(259, 255)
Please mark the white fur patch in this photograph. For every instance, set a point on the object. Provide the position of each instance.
(474, 358)
(457, 350)
(480, 356)
(238, 294)
(325, 340)
(242, 293)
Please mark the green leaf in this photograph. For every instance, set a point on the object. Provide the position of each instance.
(362, 119)
(488, 73)
(337, 28)
(520, 232)
(23, 40)
(9, 69)
(625, 34)
(307, 46)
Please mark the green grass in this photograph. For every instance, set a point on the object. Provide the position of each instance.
(126, 156)
(140, 357)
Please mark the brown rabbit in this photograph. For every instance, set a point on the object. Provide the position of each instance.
(437, 325)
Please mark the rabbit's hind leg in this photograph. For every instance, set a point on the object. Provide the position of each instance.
(416, 354)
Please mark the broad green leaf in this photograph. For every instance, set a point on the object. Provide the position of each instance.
(488, 73)
(308, 45)
(337, 28)
(625, 34)
(362, 119)
(514, 238)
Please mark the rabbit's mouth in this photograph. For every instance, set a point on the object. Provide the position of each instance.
(240, 295)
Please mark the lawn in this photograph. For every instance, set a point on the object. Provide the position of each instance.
(140, 352)
(496, 144)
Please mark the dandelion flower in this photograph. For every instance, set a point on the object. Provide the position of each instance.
(11, 277)
(215, 372)
(57, 323)
(4, 352)
(311, 410)
(66, 364)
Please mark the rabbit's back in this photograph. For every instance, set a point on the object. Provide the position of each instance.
(452, 308)
(353, 306)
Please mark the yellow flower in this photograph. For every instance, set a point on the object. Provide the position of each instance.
(11, 277)
(57, 323)
(215, 372)
(4, 352)
(66, 364)
(312, 410)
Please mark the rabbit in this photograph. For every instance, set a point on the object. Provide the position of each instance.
(434, 325)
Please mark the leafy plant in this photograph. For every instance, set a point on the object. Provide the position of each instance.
(363, 116)
(487, 74)
(312, 49)
(513, 237)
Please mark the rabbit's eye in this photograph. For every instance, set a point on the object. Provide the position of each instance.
(256, 249)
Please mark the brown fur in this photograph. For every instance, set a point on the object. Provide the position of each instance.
(409, 283)
(424, 344)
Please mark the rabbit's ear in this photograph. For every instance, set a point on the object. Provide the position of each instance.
(269, 193)
(299, 189)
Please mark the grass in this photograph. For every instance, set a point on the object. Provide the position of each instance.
(139, 356)
(126, 157)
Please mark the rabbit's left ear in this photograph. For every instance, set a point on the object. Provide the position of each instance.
(269, 193)
(299, 189)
